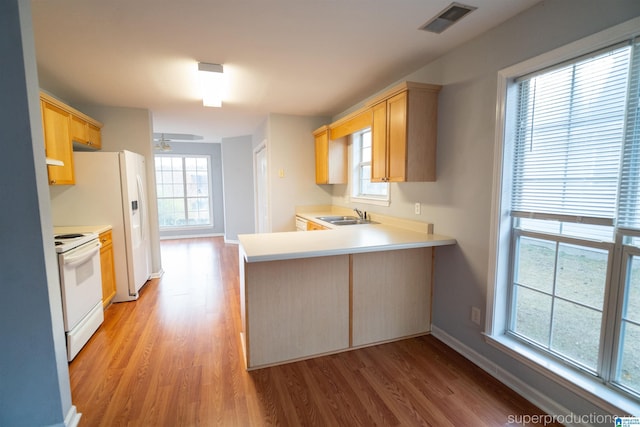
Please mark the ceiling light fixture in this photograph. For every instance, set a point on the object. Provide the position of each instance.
(452, 14)
(211, 80)
(163, 144)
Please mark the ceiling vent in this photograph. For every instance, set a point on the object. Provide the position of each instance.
(453, 13)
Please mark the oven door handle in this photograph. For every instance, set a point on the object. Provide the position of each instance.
(82, 256)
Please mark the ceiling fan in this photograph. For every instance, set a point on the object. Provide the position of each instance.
(163, 139)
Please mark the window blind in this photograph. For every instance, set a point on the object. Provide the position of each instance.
(629, 205)
(569, 132)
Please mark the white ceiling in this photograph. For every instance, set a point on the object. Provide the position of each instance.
(301, 57)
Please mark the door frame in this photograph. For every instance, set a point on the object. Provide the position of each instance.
(261, 148)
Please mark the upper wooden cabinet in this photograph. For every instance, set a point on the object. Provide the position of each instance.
(85, 135)
(404, 133)
(57, 143)
(66, 129)
(331, 158)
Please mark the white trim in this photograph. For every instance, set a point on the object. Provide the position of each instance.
(582, 385)
(534, 396)
(158, 274)
(189, 236)
(262, 146)
(73, 417)
(231, 241)
(370, 201)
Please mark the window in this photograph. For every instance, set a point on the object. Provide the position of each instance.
(183, 189)
(567, 278)
(362, 189)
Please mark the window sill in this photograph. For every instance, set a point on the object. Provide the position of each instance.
(583, 385)
(370, 201)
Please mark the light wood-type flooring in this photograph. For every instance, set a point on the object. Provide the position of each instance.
(174, 358)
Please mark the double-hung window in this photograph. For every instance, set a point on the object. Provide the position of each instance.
(568, 245)
(363, 190)
(183, 191)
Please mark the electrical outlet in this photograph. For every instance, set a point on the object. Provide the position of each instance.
(475, 315)
(417, 208)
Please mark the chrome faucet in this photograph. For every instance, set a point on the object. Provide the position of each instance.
(360, 214)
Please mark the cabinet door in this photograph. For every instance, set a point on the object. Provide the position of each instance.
(379, 143)
(397, 137)
(79, 130)
(391, 295)
(95, 138)
(322, 158)
(57, 138)
(107, 268)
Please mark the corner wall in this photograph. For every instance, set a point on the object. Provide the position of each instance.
(34, 376)
(292, 168)
(237, 182)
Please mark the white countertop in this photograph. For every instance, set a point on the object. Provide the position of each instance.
(81, 229)
(340, 240)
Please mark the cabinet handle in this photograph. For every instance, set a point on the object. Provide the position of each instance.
(53, 181)
(103, 240)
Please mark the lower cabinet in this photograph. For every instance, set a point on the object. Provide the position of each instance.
(107, 268)
(300, 308)
(312, 226)
(391, 295)
(294, 309)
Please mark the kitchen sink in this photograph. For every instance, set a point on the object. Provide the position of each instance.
(337, 218)
(345, 220)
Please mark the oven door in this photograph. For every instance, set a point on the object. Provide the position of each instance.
(80, 282)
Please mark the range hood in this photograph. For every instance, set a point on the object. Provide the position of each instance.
(54, 162)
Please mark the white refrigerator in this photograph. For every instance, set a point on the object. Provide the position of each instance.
(111, 189)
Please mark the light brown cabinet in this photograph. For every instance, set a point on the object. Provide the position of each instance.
(404, 133)
(312, 226)
(107, 268)
(66, 129)
(57, 143)
(85, 135)
(331, 157)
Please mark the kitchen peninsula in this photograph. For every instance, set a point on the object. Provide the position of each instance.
(305, 294)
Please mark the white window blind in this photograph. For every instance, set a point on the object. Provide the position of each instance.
(568, 139)
(629, 206)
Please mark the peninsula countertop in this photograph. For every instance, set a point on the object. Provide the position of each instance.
(348, 239)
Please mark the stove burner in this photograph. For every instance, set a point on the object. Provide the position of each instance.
(69, 236)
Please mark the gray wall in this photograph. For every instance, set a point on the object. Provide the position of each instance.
(214, 151)
(34, 378)
(459, 203)
(291, 150)
(237, 178)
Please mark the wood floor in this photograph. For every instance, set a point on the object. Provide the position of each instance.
(174, 358)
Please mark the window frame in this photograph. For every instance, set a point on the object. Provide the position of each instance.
(499, 274)
(185, 198)
(356, 174)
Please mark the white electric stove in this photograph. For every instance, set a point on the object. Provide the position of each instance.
(80, 286)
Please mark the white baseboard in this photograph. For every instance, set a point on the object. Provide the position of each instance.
(73, 417)
(156, 275)
(533, 395)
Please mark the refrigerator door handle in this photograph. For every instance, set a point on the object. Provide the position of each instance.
(143, 208)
